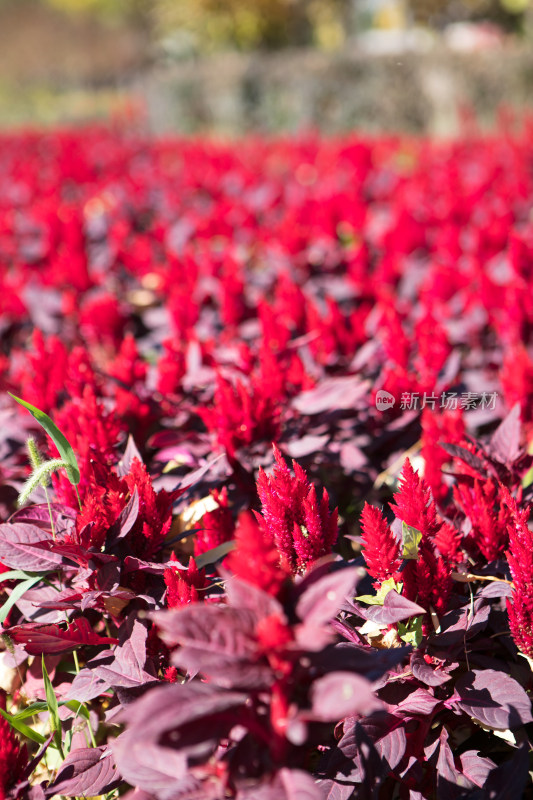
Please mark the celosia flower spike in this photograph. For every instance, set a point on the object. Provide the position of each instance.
(300, 524)
(381, 549)
(520, 558)
(13, 758)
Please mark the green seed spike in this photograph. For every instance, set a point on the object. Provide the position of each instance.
(40, 476)
(35, 457)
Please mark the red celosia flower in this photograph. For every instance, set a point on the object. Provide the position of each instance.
(427, 579)
(302, 526)
(414, 504)
(256, 559)
(520, 558)
(171, 367)
(183, 586)
(490, 519)
(448, 541)
(102, 320)
(102, 504)
(13, 758)
(155, 512)
(241, 414)
(448, 427)
(41, 379)
(218, 525)
(517, 381)
(93, 432)
(381, 549)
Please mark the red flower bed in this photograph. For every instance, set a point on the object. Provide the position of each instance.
(201, 614)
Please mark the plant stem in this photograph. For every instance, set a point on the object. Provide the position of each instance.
(50, 512)
(78, 496)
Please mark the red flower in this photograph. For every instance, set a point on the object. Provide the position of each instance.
(13, 758)
(381, 549)
(183, 585)
(256, 559)
(218, 525)
(520, 558)
(301, 525)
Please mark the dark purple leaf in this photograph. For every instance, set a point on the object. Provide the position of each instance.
(126, 519)
(131, 452)
(509, 780)
(395, 608)
(219, 641)
(196, 476)
(342, 694)
(288, 784)
(195, 712)
(133, 564)
(157, 770)
(495, 589)
(426, 673)
(18, 551)
(243, 595)
(475, 767)
(331, 790)
(386, 733)
(322, 601)
(338, 393)
(64, 517)
(470, 459)
(85, 772)
(51, 639)
(305, 446)
(504, 444)
(86, 685)
(419, 702)
(493, 698)
(127, 666)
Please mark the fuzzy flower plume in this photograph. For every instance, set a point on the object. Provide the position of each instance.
(447, 426)
(302, 526)
(241, 414)
(93, 433)
(155, 512)
(520, 558)
(490, 520)
(183, 585)
(381, 549)
(105, 498)
(256, 558)
(427, 580)
(13, 757)
(414, 503)
(218, 525)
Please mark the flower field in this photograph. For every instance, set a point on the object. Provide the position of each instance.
(266, 467)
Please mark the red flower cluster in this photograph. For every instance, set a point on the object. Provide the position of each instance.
(301, 526)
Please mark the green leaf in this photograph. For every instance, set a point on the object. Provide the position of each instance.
(53, 708)
(19, 726)
(379, 598)
(78, 707)
(15, 595)
(214, 555)
(411, 632)
(40, 705)
(410, 541)
(65, 450)
(527, 480)
(17, 575)
(30, 711)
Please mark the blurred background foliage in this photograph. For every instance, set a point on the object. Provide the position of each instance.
(207, 25)
(273, 64)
